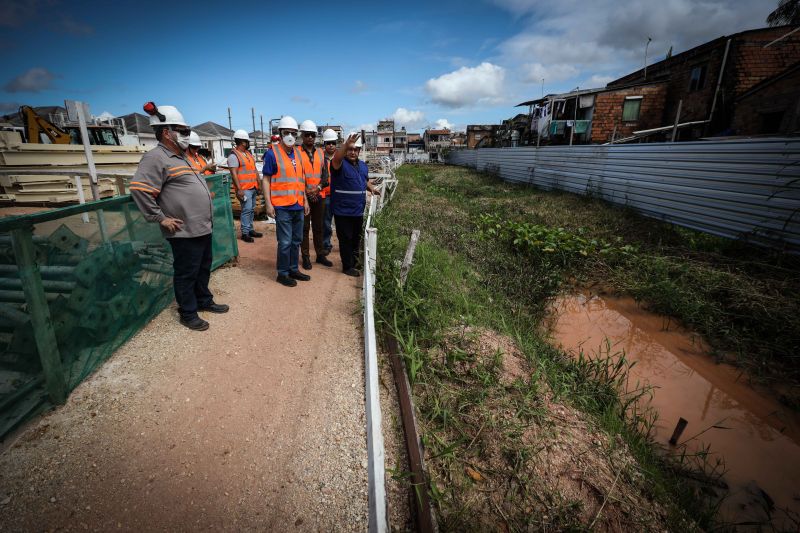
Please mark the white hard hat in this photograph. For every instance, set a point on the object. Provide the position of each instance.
(287, 123)
(241, 134)
(308, 125)
(359, 143)
(194, 139)
(329, 135)
(172, 117)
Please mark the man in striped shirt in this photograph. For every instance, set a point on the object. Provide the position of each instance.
(169, 191)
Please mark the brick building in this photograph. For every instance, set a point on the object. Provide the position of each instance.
(754, 69)
(481, 135)
(736, 63)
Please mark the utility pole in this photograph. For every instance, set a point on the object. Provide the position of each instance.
(253, 115)
(645, 56)
(542, 87)
(230, 127)
(263, 145)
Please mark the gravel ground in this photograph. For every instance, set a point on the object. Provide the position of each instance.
(256, 424)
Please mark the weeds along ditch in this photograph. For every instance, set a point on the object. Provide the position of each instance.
(490, 259)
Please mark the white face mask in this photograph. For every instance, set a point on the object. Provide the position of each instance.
(182, 140)
(289, 139)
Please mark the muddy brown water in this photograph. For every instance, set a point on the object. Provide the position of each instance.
(757, 437)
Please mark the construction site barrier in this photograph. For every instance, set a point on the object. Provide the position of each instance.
(75, 284)
(743, 189)
(386, 182)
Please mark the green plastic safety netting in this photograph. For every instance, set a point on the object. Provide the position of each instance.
(75, 284)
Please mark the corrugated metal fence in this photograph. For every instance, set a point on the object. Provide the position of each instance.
(746, 189)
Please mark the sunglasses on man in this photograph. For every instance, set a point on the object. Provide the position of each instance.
(309, 134)
(181, 130)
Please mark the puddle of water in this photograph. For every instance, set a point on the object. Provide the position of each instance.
(761, 447)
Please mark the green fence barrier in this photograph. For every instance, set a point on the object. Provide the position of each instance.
(75, 284)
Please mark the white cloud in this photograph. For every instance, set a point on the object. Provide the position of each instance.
(606, 36)
(32, 81)
(598, 81)
(535, 72)
(358, 87)
(406, 117)
(369, 126)
(444, 124)
(483, 84)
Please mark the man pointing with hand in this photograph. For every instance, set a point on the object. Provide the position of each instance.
(168, 190)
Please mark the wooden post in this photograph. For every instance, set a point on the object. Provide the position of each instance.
(677, 120)
(126, 209)
(81, 198)
(409, 258)
(22, 240)
(682, 423)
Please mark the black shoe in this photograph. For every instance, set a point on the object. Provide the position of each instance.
(322, 260)
(216, 308)
(247, 238)
(286, 280)
(328, 249)
(256, 234)
(299, 276)
(307, 262)
(196, 323)
(352, 272)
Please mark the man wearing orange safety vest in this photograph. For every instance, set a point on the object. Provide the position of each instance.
(242, 165)
(197, 161)
(313, 161)
(285, 191)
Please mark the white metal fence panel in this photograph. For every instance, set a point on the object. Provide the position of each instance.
(746, 189)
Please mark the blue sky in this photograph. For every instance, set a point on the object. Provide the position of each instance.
(351, 63)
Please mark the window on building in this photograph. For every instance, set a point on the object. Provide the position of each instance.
(387, 139)
(697, 80)
(631, 108)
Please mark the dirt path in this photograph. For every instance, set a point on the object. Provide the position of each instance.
(255, 424)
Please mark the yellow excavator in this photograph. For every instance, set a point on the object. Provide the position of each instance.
(35, 125)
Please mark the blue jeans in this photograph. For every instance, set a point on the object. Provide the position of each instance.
(289, 229)
(328, 224)
(248, 209)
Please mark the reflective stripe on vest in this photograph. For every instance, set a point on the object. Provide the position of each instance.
(287, 186)
(247, 171)
(312, 171)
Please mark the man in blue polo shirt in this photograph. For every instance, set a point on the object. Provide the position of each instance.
(286, 201)
(349, 186)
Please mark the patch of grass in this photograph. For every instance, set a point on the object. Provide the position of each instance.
(484, 433)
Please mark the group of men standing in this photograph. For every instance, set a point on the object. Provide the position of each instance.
(306, 189)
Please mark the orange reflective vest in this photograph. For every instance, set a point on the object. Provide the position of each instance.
(247, 171)
(198, 162)
(288, 185)
(312, 171)
(327, 190)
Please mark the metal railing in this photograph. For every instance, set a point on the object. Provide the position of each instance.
(742, 189)
(378, 523)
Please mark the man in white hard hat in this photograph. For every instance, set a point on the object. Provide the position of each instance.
(196, 160)
(313, 162)
(349, 186)
(285, 191)
(329, 140)
(246, 182)
(169, 191)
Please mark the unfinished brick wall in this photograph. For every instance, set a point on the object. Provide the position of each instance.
(608, 112)
(782, 96)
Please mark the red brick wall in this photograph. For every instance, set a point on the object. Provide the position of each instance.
(608, 112)
(781, 96)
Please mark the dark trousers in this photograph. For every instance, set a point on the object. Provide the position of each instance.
(192, 265)
(314, 221)
(348, 231)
